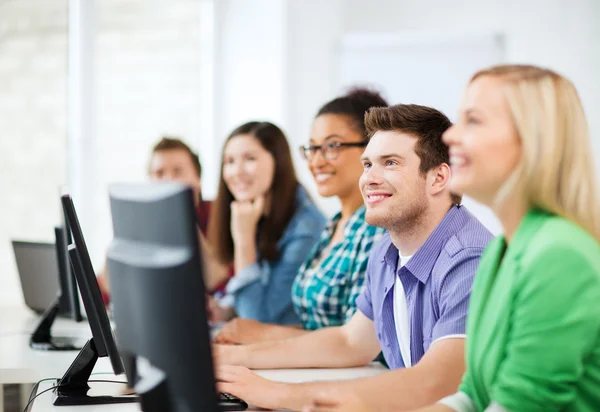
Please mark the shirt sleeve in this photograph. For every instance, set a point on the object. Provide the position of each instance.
(554, 330)
(454, 295)
(262, 290)
(364, 302)
(356, 283)
(248, 275)
(465, 384)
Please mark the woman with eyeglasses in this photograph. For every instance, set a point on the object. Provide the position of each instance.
(263, 223)
(331, 278)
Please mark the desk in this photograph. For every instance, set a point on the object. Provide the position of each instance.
(19, 364)
(44, 402)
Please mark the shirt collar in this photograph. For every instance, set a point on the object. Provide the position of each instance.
(526, 230)
(358, 215)
(422, 262)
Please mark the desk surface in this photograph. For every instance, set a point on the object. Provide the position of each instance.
(21, 364)
(44, 402)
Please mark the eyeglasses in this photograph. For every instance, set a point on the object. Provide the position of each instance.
(329, 150)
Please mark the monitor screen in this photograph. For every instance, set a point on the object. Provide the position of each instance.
(38, 273)
(42, 276)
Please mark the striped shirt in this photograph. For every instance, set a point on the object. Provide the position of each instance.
(326, 287)
(437, 284)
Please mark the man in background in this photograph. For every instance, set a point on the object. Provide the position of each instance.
(172, 160)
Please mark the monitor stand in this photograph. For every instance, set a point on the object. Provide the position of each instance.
(73, 387)
(42, 339)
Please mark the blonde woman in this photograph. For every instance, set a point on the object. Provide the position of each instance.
(521, 146)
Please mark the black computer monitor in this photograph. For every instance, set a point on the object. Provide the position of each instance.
(157, 288)
(66, 302)
(69, 295)
(72, 388)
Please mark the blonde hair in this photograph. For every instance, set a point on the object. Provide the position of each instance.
(556, 171)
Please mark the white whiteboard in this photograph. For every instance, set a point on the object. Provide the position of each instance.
(430, 69)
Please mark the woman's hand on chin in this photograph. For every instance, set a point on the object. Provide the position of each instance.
(245, 215)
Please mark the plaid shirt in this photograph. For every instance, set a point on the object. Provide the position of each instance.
(325, 290)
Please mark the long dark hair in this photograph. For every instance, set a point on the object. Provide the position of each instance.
(283, 196)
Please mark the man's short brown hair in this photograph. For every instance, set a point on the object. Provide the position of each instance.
(426, 124)
(174, 143)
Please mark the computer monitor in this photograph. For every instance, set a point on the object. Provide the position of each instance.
(72, 388)
(155, 271)
(46, 283)
(69, 301)
(38, 273)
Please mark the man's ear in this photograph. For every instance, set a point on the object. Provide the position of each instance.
(438, 178)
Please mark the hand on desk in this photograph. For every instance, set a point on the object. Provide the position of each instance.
(337, 401)
(250, 387)
(241, 331)
(228, 354)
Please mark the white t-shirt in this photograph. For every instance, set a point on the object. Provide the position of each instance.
(401, 314)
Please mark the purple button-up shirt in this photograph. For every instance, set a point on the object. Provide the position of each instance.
(437, 282)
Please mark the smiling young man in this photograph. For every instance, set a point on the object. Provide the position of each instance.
(419, 279)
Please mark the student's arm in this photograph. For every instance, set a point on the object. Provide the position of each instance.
(262, 290)
(244, 220)
(353, 344)
(438, 407)
(103, 283)
(555, 327)
(435, 376)
(244, 252)
(342, 401)
(337, 401)
(246, 331)
(244, 217)
(103, 280)
(215, 273)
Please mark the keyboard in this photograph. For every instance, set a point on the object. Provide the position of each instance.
(228, 402)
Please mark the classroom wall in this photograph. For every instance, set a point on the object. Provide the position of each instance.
(147, 82)
(276, 61)
(563, 35)
(33, 47)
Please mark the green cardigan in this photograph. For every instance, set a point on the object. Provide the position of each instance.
(534, 320)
